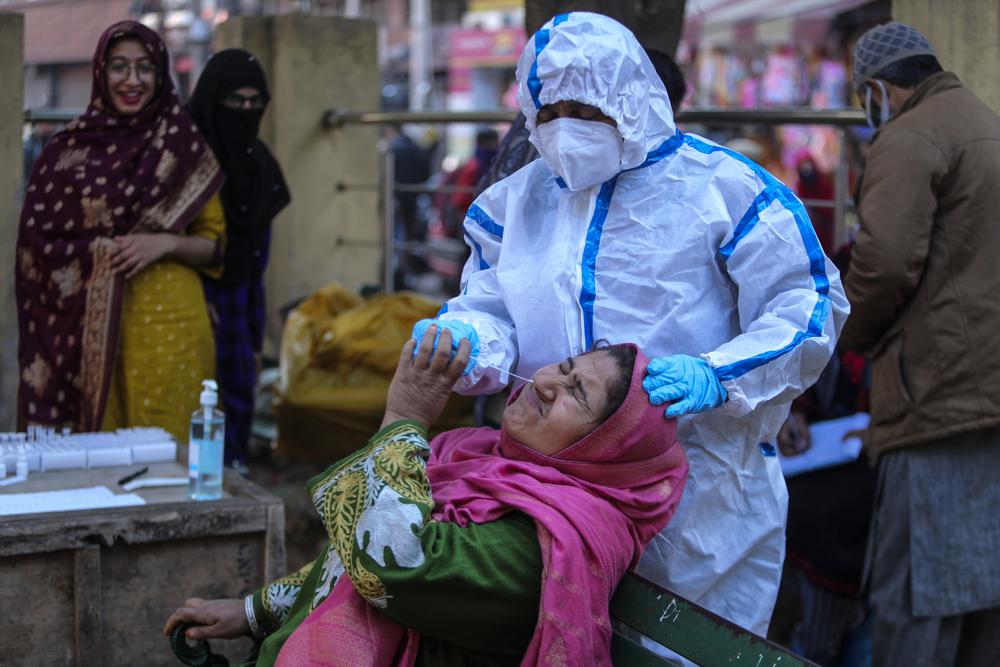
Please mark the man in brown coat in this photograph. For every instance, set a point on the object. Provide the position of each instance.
(924, 287)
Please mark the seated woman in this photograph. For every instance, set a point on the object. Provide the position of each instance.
(483, 547)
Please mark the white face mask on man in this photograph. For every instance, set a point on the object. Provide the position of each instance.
(584, 153)
(883, 105)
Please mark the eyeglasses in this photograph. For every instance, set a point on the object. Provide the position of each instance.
(237, 101)
(121, 70)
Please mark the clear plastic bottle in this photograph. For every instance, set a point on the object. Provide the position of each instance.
(205, 446)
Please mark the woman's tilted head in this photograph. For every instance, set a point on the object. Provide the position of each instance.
(568, 400)
(584, 423)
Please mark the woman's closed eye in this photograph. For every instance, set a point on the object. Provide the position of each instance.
(575, 385)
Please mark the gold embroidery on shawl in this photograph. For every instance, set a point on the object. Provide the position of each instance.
(68, 279)
(545, 546)
(165, 166)
(343, 506)
(319, 489)
(595, 569)
(97, 320)
(95, 212)
(37, 375)
(568, 584)
(400, 468)
(161, 131)
(346, 491)
(164, 214)
(298, 578)
(279, 596)
(27, 261)
(71, 158)
(556, 654)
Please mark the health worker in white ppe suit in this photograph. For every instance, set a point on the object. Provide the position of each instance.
(628, 230)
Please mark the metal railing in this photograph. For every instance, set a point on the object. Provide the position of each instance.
(338, 118)
(51, 115)
(335, 119)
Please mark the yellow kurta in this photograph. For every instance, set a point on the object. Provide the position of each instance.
(166, 346)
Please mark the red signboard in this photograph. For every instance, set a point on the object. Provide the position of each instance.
(485, 48)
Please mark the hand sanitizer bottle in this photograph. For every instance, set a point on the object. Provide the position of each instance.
(205, 446)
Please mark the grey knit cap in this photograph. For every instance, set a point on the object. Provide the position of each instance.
(884, 45)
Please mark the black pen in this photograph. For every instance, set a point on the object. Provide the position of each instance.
(128, 478)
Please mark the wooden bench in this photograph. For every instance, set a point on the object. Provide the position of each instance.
(686, 629)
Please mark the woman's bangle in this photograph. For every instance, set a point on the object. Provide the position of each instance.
(252, 618)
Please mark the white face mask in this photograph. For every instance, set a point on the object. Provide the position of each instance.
(584, 153)
(883, 107)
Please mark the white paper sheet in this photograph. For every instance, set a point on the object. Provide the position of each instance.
(65, 500)
(829, 447)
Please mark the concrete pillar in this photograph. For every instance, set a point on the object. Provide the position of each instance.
(11, 119)
(328, 233)
(965, 36)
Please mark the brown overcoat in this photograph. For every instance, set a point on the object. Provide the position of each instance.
(924, 281)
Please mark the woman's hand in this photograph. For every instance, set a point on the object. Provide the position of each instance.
(219, 619)
(423, 381)
(135, 252)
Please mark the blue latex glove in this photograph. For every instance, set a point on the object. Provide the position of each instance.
(459, 330)
(689, 381)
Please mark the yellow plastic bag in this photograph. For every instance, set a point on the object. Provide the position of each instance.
(338, 355)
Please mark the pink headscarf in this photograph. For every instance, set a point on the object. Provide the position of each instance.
(595, 506)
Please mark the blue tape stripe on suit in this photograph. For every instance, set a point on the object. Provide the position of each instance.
(541, 41)
(588, 292)
(775, 191)
(534, 83)
(483, 264)
(483, 219)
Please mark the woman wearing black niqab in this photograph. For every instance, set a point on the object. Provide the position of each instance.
(227, 105)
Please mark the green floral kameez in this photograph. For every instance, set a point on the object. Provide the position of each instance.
(471, 592)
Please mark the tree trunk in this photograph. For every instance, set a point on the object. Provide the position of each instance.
(656, 23)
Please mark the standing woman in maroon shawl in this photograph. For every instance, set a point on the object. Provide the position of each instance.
(119, 206)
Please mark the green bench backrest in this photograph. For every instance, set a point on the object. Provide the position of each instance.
(686, 629)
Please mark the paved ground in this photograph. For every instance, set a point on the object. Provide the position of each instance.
(304, 533)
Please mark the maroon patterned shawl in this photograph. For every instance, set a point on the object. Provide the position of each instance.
(105, 175)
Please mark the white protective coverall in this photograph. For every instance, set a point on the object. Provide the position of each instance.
(691, 249)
